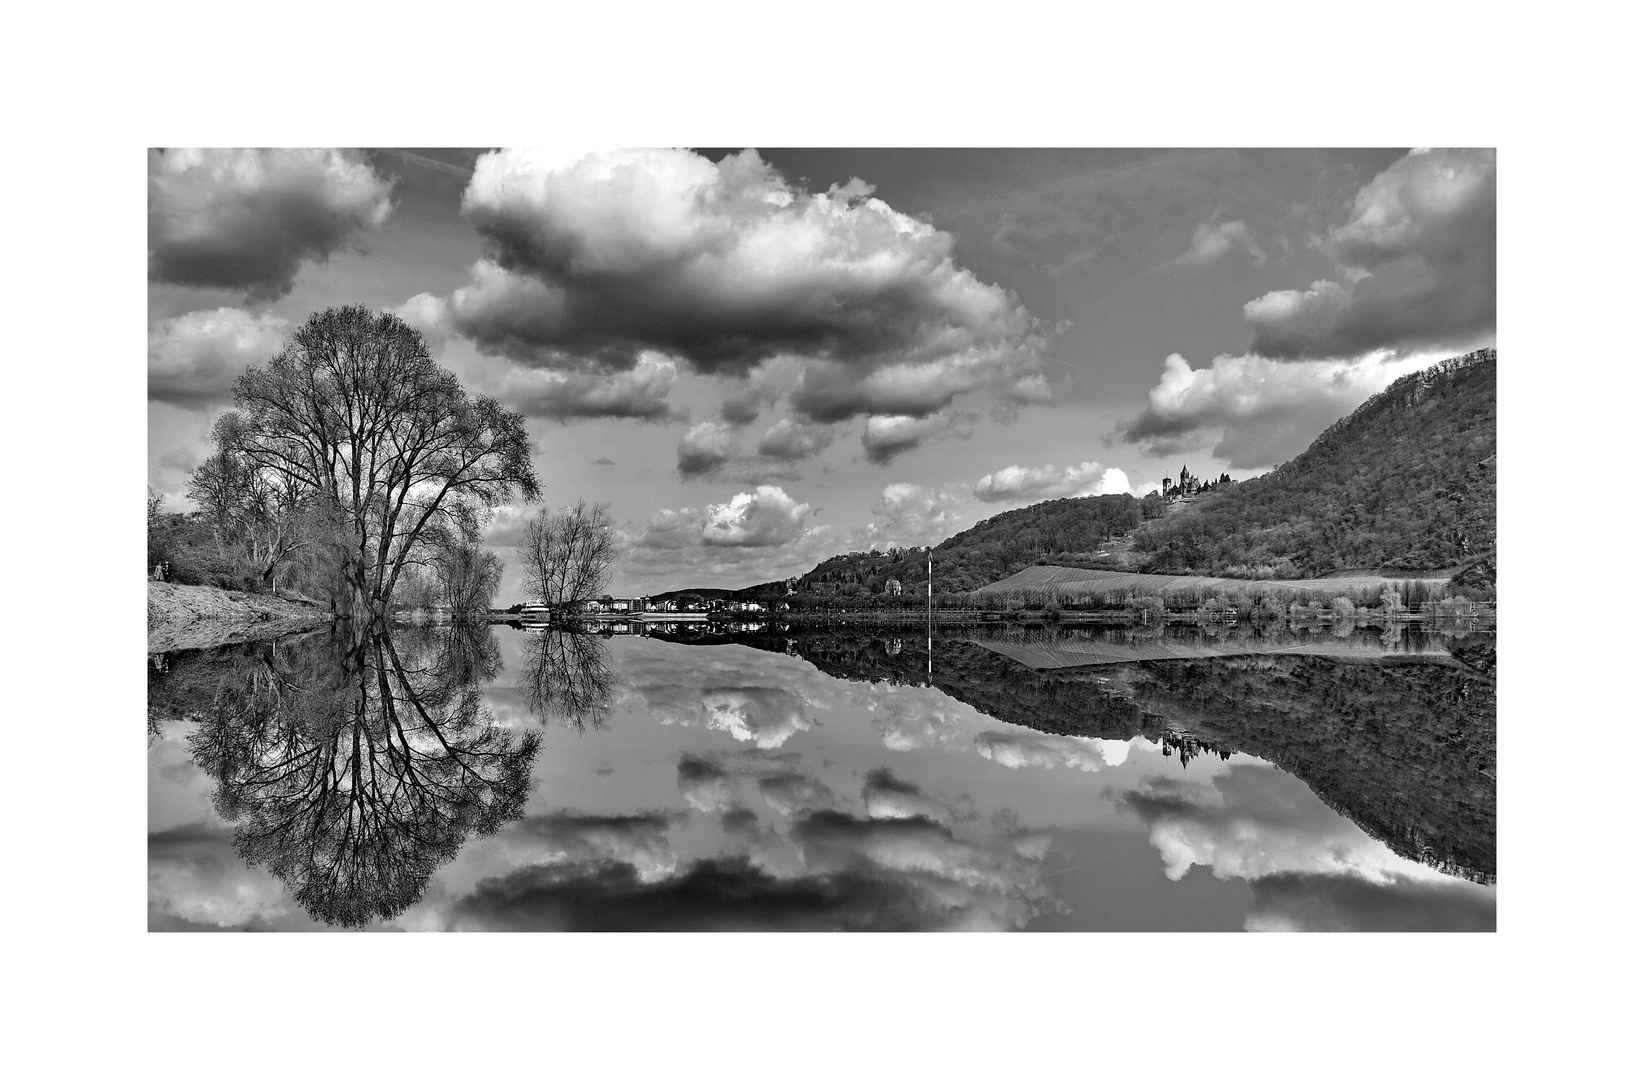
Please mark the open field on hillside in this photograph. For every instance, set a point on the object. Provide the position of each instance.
(1077, 653)
(1066, 582)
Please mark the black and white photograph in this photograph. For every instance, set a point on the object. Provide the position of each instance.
(748, 540)
(761, 538)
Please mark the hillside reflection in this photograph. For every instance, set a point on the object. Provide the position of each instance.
(986, 779)
(351, 769)
(1394, 730)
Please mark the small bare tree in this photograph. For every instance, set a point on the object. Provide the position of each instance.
(567, 554)
(468, 577)
(264, 518)
(568, 676)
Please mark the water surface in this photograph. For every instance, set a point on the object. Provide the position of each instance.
(493, 778)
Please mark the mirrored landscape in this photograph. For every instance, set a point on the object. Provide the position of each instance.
(757, 777)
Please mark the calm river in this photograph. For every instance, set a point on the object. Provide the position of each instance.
(495, 778)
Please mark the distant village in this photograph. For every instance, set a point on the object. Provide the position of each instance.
(676, 609)
(679, 605)
(688, 606)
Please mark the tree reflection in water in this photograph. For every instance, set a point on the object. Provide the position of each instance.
(568, 676)
(353, 769)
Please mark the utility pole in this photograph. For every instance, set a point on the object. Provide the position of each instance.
(930, 589)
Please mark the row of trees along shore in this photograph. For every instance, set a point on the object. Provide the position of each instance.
(350, 465)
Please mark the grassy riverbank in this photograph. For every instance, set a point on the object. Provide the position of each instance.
(202, 617)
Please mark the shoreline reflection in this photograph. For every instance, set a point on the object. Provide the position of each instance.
(773, 779)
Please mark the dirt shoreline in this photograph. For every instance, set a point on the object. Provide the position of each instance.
(200, 617)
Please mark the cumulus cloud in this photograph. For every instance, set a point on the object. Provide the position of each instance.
(249, 219)
(886, 795)
(1031, 749)
(830, 391)
(790, 853)
(911, 515)
(672, 530)
(911, 719)
(705, 786)
(1312, 868)
(1029, 390)
(766, 716)
(594, 259)
(194, 875)
(793, 793)
(740, 408)
(712, 449)
(1342, 902)
(1212, 242)
(887, 437)
(1419, 259)
(712, 783)
(705, 448)
(505, 528)
(1253, 411)
(640, 393)
(992, 884)
(791, 440)
(639, 840)
(194, 359)
(179, 462)
(765, 517)
(763, 716)
(1252, 821)
(731, 894)
(722, 264)
(509, 315)
(903, 852)
(902, 500)
(673, 542)
(429, 314)
(768, 383)
(1016, 483)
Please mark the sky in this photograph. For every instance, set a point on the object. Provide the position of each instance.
(763, 357)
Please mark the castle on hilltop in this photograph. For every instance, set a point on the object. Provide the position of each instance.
(1187, 484)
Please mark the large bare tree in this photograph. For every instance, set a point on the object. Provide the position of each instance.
(567, 554)
(355, 415)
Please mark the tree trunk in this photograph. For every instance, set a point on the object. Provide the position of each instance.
(360, 603)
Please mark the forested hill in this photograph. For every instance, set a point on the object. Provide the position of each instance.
(984, 553)
(1408, 481)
